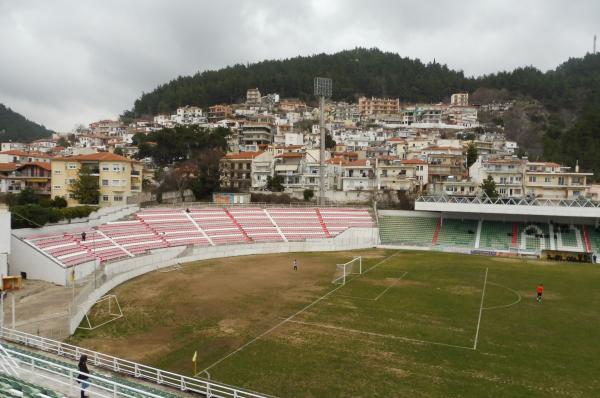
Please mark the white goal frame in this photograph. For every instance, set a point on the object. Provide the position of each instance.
(352, 267)
(118, 314)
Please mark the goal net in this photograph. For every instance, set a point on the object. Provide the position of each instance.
(342, 271)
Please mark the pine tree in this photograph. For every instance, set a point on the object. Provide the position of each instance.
(85, 189)
(489, 187)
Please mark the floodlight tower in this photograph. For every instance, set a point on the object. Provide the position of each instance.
(322, 89)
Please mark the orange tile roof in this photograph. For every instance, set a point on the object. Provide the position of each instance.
(413, 161)
(359, 162)
(290, 155)
(16, 152)
(8, 166)
(243, 155)
(43, 165)
(99, 156)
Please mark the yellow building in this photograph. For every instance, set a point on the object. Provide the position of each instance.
(119, 178)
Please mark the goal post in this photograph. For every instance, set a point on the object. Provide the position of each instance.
(342, 271)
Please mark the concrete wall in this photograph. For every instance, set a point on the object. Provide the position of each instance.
(25, 258)
(120, 272)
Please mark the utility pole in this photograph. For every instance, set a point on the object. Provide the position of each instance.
(322, 89)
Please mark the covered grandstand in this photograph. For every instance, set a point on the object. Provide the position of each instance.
(475, 225)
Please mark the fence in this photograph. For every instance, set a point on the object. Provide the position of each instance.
(60, 374)
(129, 368)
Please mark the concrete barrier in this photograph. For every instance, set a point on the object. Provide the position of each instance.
(119, 272)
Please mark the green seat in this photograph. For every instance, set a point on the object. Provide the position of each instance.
(457, 233)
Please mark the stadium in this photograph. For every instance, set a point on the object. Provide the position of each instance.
(205, 300)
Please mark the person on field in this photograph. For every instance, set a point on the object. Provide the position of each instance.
(83, 377)
(295, 264)
(540, 292)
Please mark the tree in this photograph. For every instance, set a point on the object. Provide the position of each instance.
(308, 194)
(27, 197)
(489, 187)
(119, 151)
(471, 154)
(275, 184)
(329, 142)
(85, 189)
(64, 142)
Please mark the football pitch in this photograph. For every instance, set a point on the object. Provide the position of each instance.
(415, 324)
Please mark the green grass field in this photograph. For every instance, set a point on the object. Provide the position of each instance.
(406, 327)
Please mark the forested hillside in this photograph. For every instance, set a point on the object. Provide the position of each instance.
(15, 127)
(562, 99)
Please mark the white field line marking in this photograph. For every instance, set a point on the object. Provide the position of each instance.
(390, 286)
(388, 336)
(517, 301)
(378, 296)
(290, 317)
(480, 310)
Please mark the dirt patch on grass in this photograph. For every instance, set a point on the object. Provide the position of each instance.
(463, 290)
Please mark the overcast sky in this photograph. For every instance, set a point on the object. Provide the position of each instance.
(69, 62)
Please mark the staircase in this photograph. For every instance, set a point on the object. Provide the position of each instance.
(322, 222)
(237, 224)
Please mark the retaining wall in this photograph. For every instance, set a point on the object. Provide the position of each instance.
(117, 273)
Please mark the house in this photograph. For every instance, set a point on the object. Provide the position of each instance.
(119, 178)
(459, 99)
(507, 173)
(375, 106)
(17, 156)
(551, 180)
(358, 175)
(401, 175)
(261, 169)
(253, 96)
(219, 112)
(235, 170)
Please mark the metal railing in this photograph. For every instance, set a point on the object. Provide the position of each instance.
(544, 202)
(60, 374)
(129, 368)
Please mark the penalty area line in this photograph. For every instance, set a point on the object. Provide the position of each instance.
(375, 334)
(390, 286)
(266, 332)
(480, 309)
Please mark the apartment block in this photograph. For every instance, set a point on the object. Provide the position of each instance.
(375, 106)
(119, 178)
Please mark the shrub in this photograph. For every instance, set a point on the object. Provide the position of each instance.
(60, 202)
(308, 194)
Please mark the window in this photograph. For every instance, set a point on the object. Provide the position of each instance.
(547, 179)
(104, 183)
(71, 181)
(532, 179)
(502, 191)
(105, 167)
(116, 167)
(71, 166)
(116, 183)
(57, 187)
(56, 171)
(105, 198)
(561, 180)
(118, 198)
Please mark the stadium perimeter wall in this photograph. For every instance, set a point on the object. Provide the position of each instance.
(117, 273)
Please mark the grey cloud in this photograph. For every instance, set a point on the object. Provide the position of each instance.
(66, 62)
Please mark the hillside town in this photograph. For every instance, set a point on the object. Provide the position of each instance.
(374, 147)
